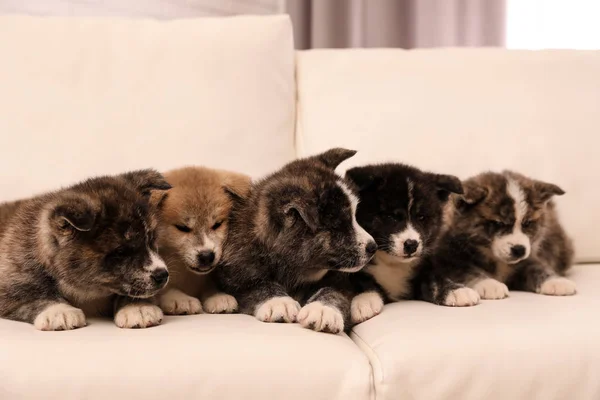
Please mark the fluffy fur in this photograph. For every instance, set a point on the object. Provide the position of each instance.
(296, 227)
(90, 246)
(193, 226)
(403, 208)
(505, 234)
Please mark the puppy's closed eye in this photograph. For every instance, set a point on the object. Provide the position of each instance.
(183, 228)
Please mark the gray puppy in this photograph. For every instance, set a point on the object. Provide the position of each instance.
(90, 246)
(290, 239)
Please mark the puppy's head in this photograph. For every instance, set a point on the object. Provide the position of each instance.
(402, 207)
(506, 212)
(194, 218)
(100, 235)
(307, 215)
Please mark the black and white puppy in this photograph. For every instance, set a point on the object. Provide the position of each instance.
(294, 227)
(504, 235)
(403, 208)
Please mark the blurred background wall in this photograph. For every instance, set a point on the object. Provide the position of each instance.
(526, 24)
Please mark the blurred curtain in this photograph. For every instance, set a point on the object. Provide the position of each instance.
(397, 23)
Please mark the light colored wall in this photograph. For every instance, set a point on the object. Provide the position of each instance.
(162, 9)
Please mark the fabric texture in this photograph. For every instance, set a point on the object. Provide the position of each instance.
(463, 111)
(527, 346)
(85, 96)
(394, 23)
(188, 357)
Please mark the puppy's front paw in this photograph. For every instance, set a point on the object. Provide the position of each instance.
(365, 306)
(491, 289)
(220, 303)
(321, 318)
(558, 286)
(461, 297)
(138, 316)
(175, 302)
(59, 317)
(278, 309)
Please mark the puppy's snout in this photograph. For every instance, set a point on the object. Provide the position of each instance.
(517, 251)
(410, 246)
(160, 276)
(371, 248)
(206, 258)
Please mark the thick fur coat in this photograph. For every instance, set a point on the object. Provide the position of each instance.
(90, 246)
(294, 227)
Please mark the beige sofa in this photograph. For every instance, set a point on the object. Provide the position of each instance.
(83, 97)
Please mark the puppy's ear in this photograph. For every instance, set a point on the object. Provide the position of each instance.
(237, 186)
(74, 213)
(146, 180)
(334, 157)
(447, 184)
(297, 209)
(362, 177)
(545, 191)
(473, 193)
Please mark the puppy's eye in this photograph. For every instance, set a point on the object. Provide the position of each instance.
(216, 226)
(527, 223)
(497, 224)
(421, 217)
(183, 228)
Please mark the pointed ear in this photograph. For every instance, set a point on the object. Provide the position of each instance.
(545, 191)
(78, 213)
(236, 185)
(146, 180)
(362, 177)
(296, 209)
(473, 192)
(334, 157)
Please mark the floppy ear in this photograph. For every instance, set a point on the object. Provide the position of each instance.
(77, 213)
(334, 157)
(236, 185)
(473, 193)
(308, 213)
(447, 184)
(545, 191)
(146, 180)
(361, 177)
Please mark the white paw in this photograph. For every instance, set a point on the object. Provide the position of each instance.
(558, 286)
(138, 316)
(321, 318)
(175, 302)
(491, 289)
(462, 297)
(220, 303)
(59, 317)
(278, 309)
(365, 306)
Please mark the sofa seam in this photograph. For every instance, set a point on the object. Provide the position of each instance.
(374, 361)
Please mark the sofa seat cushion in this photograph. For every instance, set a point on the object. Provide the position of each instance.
(527, 346)
(189, 357)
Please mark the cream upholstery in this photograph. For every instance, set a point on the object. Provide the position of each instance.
(81, 97)
(88, 96)
(463, 111)
(525, 347)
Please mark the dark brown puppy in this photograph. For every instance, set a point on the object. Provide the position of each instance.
(504, 235)
(295, 228)
(88, 246)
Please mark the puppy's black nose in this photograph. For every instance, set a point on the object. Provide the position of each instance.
(371, 248)
(517, 251)
(160, 276)
(206, 258)
(410, 246)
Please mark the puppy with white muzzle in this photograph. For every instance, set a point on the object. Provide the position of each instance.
(295, 228)
(505, 234)
(90, 247)
(193, 226)
(404, 209)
